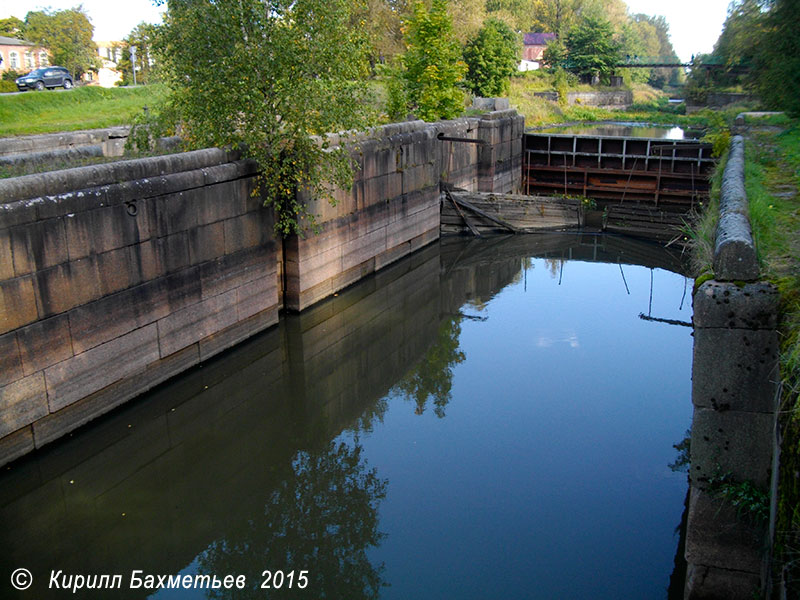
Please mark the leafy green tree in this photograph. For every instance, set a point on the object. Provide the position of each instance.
(591, 48)
(269, 75)
(143, 37)
(468, 17)
(381, 22)
(518, 14)
(67, 35)
(654, 33)
(637, 39)
(555, 55)
(778, 59)
(12, 27)
(556, 16)
(491, 57)
(432, 66)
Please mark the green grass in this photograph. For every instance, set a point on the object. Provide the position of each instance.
(80, 108)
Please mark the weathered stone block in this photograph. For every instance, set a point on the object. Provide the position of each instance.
(419, 178)
(71, 417)
(17, 303)
(363, 248)
(712, 583)
(10, 360)
(78, 228)
(38, 245)
(213, 205)
(147, 260)
(174, 251)
(408, 204)
(44, 343)
(66, 285)
(110, 317)
(86, 373)
(114, 272)
(16, 445)
(731, 442)
(363, 222)
(747, 306)
(256, 296)
(191, 324)
(415, 225)
(233, 270)
(174, 213)
(114, 227)
(238, 332)
(206, 242)
(21, 403)
(17, 212)
(6, 256)
(735, 369)
(242, 232)
(717, 536)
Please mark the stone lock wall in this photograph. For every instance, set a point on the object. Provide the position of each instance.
(110, 288)
(115, 277)
(735, 377)
(393, 207)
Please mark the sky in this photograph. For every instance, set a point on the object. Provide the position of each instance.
(694, 24)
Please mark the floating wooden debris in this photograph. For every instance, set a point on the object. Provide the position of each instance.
(478, 212)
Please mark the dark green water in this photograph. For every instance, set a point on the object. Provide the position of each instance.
(485, 419)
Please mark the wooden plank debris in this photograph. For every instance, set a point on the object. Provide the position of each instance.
(509, 213)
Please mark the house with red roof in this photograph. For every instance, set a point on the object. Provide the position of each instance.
(534, 45)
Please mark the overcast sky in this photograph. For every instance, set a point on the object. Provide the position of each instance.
(694, 24)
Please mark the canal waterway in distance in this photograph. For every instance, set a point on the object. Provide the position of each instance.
(491, 418)
(626, 129)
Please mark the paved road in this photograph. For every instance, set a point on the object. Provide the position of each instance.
(18, 93)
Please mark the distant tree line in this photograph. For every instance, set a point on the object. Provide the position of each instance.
(758, 51)
(268, 75)
(67, 36)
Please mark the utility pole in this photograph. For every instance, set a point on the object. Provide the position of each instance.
(133, 63)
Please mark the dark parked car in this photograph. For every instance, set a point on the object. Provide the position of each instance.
(45, 77)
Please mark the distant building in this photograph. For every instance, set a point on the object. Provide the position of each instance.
(534, 45)
(107, 75)
(21, 55)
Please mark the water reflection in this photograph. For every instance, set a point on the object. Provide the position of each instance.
(275, 455)
(323, 516)
(432, 377)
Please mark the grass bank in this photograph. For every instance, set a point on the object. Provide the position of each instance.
(80, 108)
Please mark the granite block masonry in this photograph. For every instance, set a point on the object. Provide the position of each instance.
(116, 277)
(735, 379)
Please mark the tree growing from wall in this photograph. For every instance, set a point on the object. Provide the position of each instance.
(491, 57)
(268, 76)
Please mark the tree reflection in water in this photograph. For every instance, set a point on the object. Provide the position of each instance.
(323, 518)
(432, 377)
